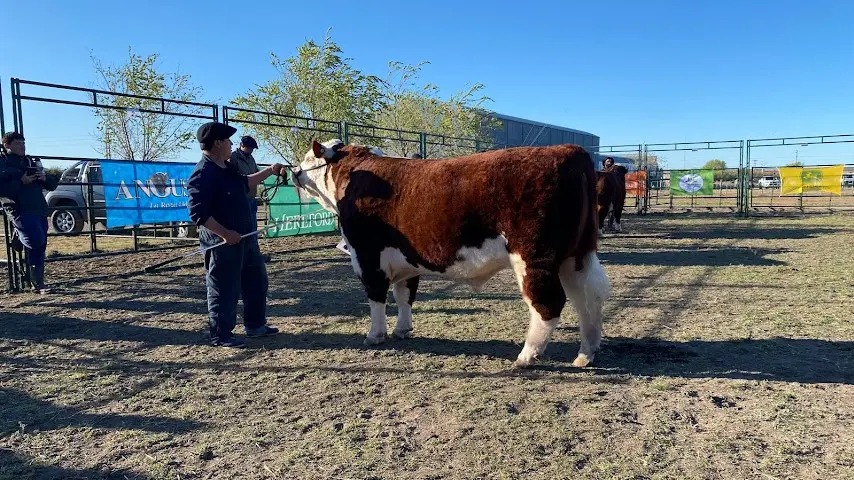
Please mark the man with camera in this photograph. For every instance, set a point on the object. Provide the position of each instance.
(22, 180)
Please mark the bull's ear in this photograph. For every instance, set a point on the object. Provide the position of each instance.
(318, 149)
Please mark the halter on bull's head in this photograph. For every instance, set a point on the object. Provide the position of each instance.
(311, 175)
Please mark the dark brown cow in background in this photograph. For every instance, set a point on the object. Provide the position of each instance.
(611, 195)
(467, 218)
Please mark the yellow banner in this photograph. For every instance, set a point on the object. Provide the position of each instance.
(800, 180)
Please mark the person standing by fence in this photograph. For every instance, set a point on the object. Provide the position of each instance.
(22, 180)
(219, 205)
(242, 158)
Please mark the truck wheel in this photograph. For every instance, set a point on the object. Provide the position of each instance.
(66, 221)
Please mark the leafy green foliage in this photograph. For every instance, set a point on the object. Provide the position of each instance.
(133, 129)
(720, 170)
(317, 83)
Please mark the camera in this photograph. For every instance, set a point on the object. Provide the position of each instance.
(32, 170)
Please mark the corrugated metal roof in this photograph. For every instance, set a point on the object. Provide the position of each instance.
(502, 116)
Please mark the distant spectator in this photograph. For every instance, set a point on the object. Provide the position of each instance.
(608, 162)
(23, 180)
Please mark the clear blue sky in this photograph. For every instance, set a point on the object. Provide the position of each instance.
(629, 71)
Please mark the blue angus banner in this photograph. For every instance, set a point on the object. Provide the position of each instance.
(145, 192)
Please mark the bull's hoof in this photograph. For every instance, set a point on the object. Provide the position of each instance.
(402, 334)
(582, 360)
(522, 363)
(371, 341)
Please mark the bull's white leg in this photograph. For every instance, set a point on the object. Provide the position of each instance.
(539, 329)
(587, 290)
(376, 286)
(379, 329)
(618, 228)
(403, 327)
(539, 334)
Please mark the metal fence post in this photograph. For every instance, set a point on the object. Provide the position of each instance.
(2, 114)
(748, 180)
(422, 144)
(10, 260)
(346, 132)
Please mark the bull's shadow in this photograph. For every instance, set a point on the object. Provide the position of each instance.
(710, 257)
(773, 359)
(748, 230)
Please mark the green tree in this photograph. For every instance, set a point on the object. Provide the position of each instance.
(722, 174)
(795, 164)
(454, 126)
(318, 83)
(133, 129)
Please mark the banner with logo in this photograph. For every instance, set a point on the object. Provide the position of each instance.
(799, 180)
(297, 214)
(691, 182)
(145, 192)
(636, 184)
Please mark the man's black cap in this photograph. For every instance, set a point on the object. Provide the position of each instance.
(214, 131)
(248, 142)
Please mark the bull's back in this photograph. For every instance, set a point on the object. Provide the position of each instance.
(535, 197)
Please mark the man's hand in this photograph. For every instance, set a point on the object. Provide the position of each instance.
(41, 175)
(231, 237)
(277, 168)
(28, 179)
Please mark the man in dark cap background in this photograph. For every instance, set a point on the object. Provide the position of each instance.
(242, 158)
(219, 205)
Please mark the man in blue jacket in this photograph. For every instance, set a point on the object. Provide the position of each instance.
(219, 205)
(22, 180)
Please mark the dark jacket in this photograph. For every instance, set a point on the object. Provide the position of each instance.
(219, 193)
(245, 164)
(28, 199)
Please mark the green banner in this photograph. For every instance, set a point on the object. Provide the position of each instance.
(691, 182)
(296, 217)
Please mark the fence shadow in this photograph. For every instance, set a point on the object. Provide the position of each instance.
(20, 409)
(41, 328)
(15, 466)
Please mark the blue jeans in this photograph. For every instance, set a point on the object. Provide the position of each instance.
(234, 271)
(32, 232)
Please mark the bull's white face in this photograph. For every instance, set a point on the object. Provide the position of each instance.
(311, 173)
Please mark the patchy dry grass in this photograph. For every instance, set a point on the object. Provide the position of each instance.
(729, 354)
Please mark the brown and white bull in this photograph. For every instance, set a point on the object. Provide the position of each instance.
(531, 209)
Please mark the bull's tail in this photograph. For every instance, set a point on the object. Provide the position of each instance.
(588, 228)
(587, 233)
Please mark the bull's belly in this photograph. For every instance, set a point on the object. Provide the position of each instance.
(474, 265)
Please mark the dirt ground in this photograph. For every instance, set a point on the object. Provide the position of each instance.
(729, 353)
